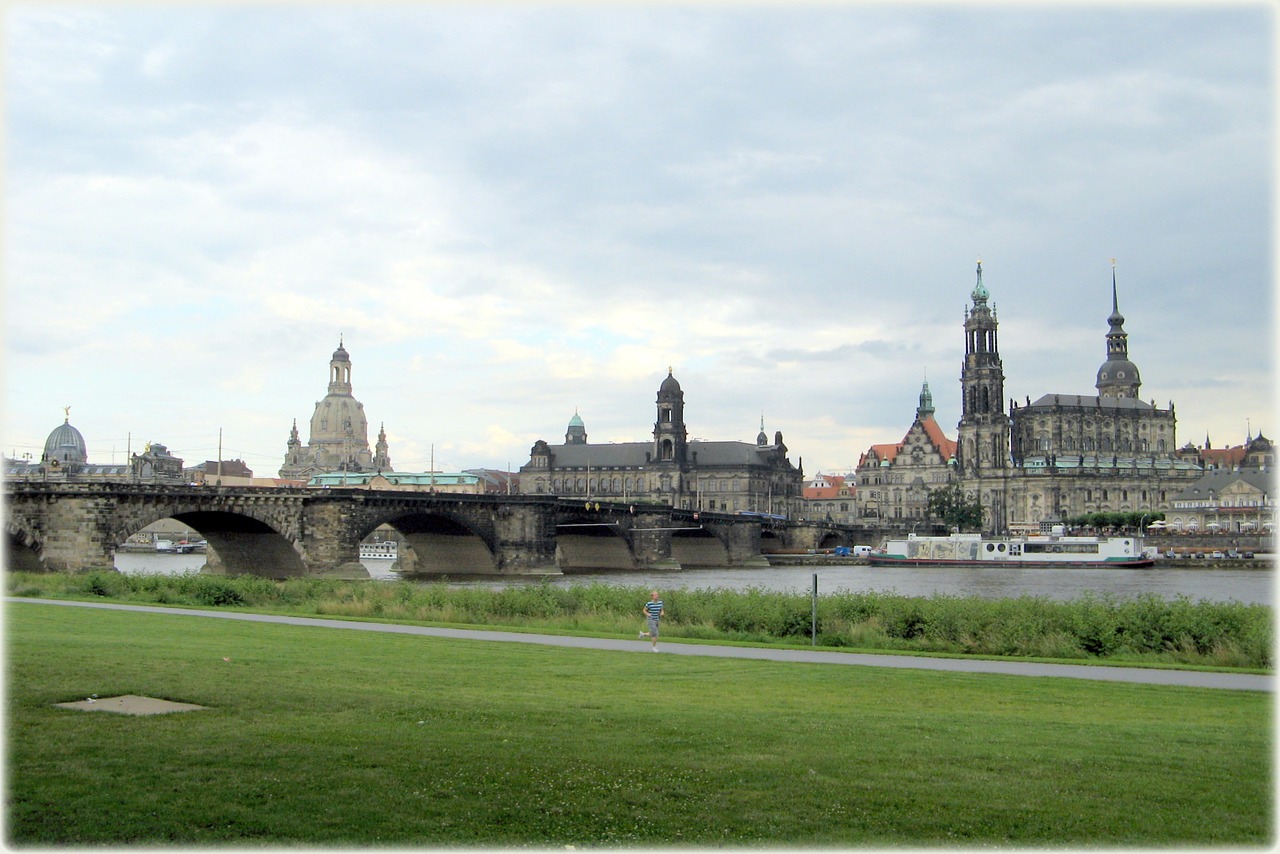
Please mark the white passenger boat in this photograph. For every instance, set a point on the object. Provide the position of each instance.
(1054, 549)
(385, 550)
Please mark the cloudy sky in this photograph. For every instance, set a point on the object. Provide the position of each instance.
(509, 213)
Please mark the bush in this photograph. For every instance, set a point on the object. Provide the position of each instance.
(1144, 629)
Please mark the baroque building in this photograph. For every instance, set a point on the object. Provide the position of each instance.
(66, 457)
(670, 469)
(339, 437)
(894, 480)
(1058, 457)
(1110, 452)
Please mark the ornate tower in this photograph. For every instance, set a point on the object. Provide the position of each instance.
(925, 409)
(339, 438)
(983, 446)
(670, 438)
(576, 434)
(381, 454)
(340, 371)
(1118, 377)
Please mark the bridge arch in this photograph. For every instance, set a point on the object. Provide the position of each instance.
(699, 546)
(436, 543)
(587, 542)
(831, 539)
(240, 544)
(22, 550)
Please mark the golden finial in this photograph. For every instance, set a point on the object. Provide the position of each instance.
(66, 414)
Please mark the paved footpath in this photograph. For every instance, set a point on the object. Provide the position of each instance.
(1187, 678)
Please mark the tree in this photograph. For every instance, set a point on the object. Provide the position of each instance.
(956, 510)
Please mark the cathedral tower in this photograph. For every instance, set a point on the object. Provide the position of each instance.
(339, 439)
(983, 446)
(670, 438)
(1118, 377)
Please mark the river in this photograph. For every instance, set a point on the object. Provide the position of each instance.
(1250, 586)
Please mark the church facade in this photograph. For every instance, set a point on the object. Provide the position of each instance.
(1060, 456)
(339, 436)
(731, 477)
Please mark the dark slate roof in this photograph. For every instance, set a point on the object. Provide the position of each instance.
(1091, 402)
(633, 454)
(1218, 480)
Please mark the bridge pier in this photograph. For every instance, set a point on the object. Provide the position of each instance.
(77, 534)
(650, 539)
(524, 542)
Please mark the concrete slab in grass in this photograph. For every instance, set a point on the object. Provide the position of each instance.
(130, 704)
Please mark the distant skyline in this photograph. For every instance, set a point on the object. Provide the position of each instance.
(512, 213)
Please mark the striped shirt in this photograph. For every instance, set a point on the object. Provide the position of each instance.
(654, 609)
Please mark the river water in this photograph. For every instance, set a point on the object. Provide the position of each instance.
(1251, 586)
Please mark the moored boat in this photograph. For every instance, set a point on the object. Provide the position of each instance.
(385, 550)
(1054, 549)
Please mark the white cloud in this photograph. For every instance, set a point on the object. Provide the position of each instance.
(509, 213)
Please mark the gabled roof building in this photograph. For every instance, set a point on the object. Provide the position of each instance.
(670, 469)
(894, 480)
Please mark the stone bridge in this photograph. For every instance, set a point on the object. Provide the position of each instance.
(290, 532)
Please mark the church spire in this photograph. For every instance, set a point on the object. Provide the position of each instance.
(925, 409)
(1118, 376)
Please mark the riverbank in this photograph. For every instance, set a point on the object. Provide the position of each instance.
(829, 558)
(1144, 630)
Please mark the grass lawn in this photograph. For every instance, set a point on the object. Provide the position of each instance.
(321, 737)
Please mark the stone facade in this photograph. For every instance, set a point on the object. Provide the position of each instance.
(1225, 501)
(339, 438)
(66, 458)
(894, 480)
(284, 533)
(1060, 456)
(731, 477)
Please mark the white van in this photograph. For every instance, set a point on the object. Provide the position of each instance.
(861, 551)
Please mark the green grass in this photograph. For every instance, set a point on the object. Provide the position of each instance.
(1145, 630)
(323, 737)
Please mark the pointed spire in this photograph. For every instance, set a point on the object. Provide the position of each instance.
(1116, 319)
(980, 293)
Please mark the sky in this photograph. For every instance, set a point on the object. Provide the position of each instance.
(512, 213)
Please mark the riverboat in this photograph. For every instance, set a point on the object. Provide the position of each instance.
(385, 550)
(1054, 549)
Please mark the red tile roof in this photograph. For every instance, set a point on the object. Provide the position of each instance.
(946, 447)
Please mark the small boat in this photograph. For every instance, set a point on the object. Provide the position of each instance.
(385, 550)
(1054, 549)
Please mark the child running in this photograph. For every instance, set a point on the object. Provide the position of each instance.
(653, 611)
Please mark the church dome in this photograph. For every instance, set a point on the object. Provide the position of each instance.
(576, 421)
(1118, 372)
(670, 386)
(66, 445)
(341, 355)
